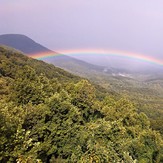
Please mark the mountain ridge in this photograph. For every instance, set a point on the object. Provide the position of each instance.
(29, 46)
(142, 88)
(22, 43)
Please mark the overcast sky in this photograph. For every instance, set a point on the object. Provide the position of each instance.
(131, 25)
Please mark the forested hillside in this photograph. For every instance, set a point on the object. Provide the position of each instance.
(147, 94)
(29, 47)
(145, 87)
(49, 115)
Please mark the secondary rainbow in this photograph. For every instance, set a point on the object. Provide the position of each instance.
(116, 53)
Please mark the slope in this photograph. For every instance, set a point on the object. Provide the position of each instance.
(46, 119)
(22, 43)
(28, 46)
(144, 88)
(12, 59)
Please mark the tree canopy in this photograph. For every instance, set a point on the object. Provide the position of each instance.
(61, 119)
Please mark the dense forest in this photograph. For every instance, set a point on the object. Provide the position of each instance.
(146, 93)
(49, 115)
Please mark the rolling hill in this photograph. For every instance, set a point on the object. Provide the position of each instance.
(50, 115)
(16, 59)
(73, 65)
(22, 43)
(145, 88)
(28, 47)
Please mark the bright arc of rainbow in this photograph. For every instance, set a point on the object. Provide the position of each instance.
(116, 53)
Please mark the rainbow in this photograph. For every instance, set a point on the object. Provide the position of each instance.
(113, 53)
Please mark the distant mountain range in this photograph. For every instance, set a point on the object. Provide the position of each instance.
(28, 46)
(144, 87)
(73, 65)
(22, 43)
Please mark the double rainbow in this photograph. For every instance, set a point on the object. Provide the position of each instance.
(114, 53)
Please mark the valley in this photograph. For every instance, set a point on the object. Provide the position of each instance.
(144, 88)
(50, 115)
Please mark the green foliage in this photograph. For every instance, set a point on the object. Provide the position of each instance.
(50, 119)
(29, 87)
